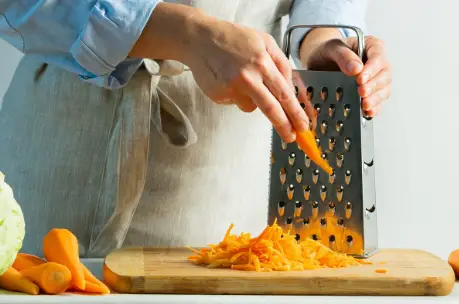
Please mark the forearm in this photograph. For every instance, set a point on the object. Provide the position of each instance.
(169, 33)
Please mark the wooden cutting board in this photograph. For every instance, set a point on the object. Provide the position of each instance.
(166, 271)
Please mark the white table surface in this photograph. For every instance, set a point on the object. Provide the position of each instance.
(95, 267)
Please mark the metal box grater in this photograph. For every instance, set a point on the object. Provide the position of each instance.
(339, 210)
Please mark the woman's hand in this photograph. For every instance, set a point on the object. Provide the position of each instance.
(237, 65)
(324, 49)
(232, 64)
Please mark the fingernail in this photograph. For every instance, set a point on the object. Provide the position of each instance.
(303, 126)
(352, 66)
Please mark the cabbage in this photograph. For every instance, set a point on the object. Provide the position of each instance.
(12, 226)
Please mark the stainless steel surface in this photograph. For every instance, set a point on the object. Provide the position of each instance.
(338, 209)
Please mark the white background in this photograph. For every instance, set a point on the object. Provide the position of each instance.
(416, 134)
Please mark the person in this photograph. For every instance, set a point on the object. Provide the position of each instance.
(147, 122)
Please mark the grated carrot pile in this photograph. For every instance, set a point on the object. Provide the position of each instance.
(272, 250)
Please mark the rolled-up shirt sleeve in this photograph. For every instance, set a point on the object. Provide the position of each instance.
(91, 38)
(335, 12)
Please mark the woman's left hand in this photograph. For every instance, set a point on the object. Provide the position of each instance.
(374, 77)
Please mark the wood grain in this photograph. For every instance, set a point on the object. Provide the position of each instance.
(166, 271)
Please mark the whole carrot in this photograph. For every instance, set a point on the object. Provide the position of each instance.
(52, 278)
(61, 246)
(25, 260)
(13, 280)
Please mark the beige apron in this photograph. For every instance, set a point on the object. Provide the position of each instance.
(155, 163)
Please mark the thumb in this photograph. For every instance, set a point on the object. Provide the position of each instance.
(347, 60)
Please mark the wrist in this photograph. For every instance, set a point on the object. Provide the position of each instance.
(314, 39)
(169, 33)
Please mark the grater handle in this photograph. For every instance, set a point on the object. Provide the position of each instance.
(358, 31)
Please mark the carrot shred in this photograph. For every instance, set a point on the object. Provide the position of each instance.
(272, 250)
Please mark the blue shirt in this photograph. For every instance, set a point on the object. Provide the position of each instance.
(92, 38)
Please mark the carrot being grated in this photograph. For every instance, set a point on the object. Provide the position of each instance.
(272, 250)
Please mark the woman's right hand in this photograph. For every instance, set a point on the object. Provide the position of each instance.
(234, 64)
(231, 63)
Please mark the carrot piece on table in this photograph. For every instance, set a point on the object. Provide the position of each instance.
(96, 288)
(25, 260)
(61, 246)
(308, 145)
(13, 280)
(96, 285)
(52, 278)
(381, 270)
(272, 250)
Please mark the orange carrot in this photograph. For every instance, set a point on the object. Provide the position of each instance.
(53, 278)
(381, 270)
(308, 145)
(272, 250)
(61, 246)
(90, 278)
(96, 288)
(13, 280)
(24, 261)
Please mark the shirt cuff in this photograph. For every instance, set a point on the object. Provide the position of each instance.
(111, 32)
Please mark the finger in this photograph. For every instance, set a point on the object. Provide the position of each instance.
(376, 61)
(272, 109)
(279, 88)
(375, 111)
(280, 60)
(381, 80)
(245, 104)
(376, 98)
(346, 59)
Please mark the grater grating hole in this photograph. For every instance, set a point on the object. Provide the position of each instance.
(323, 192)
(349, 238)
(297, 237)
(309, 93)
(315, 237)
(281, 208)
(339, 126)
(284, 145)
(299, 175)
(339, 159)
(306, 192)
(340, 222)
(323, 222)
(332, 238)
(339, 93)
(292, 158)
(347, 143)
(306, 221)
(324, 126)
(315, 176)
(348, 210)
(331, 143)
(317, 107)
(347, 110)
(347, 177)
(331, 205)
(296, 90)
(298, 208)
(307, 161)
(302, 105)
(283, 175)
(324, 155)
(331, 111)
(324, 93)
(290, 191)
